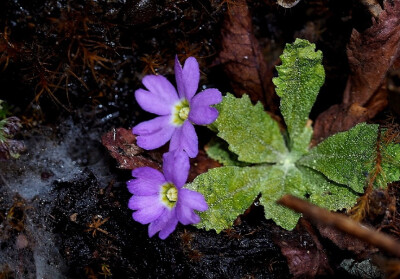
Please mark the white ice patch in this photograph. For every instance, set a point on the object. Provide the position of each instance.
(52, 155)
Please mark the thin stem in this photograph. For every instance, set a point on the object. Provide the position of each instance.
(342, 223)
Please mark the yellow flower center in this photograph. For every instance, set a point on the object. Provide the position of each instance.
(169, 194)
(172, 194)
(180, 112)
(184, 113)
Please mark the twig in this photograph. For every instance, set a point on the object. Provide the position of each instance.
(342, 223)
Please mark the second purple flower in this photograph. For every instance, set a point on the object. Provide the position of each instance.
(177, 110)
(160, 200)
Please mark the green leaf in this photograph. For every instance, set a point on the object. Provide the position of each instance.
(299, 79)
(282, 180)
(250, 132)
(326, 193)
(229, 191)
(302, 142)
(345, 157)
(3, 136)
(390, 163)
(217, 149)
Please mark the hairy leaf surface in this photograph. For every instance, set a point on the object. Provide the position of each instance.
(299, 79)
(326, 193)
(345, 157)
(390, 165)
(282, 180)
(250, 132)
(229, 191)
(217, 149)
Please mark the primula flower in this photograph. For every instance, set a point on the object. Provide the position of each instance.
(177, 111)
(160, 200)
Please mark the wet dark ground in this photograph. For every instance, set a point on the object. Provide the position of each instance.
(69, 72)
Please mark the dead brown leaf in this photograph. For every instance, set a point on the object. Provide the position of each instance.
(346, 242)
(200, 164)
(242, 58)
(121, 144)
(305, 254)
(371, 54)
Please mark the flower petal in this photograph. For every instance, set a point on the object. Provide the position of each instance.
(192, 199)
(185, 138)
(147, 183)
(160, 223)
(207, 97)
(143, 187)
(162, 89)
(187, 79)
(169, 227)
(148, 215)
(154, 133)
(142, 202)
(186, 215)
(203, 115)
(176, 167)
(200, 111)
(148, 173)
(179, 77)
(153, 102)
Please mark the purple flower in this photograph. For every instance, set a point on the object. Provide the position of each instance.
(160, 200)
(177, 111)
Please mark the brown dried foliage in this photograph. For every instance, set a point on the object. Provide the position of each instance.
(95, 225)
(201, 164)
(105, 271)
(392, 133)
(6, 273)
(390, 222)
(16, 215)
(64, 50)
(242, 58)
(187, 237)
(345, 241)
(186, 50)
(391, 267)
(151, 63)
(370, 54)
(89, 272)
(305, 254)
(121, 144)
(85, 48)
(9, 50)
(48, 82)
(338, 221)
